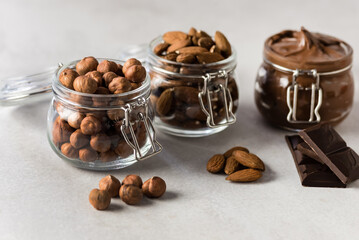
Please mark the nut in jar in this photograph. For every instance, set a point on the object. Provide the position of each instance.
(101, 116)
(194, 91)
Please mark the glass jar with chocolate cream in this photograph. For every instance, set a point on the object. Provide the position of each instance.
(194, 91)
(305, 78)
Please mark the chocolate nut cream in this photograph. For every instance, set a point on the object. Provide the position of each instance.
(305, 78)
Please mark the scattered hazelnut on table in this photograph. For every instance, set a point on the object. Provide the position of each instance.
(85, 84)
(67, 77)
(132, 179)
(86, 65)
(131, 194)
(107, 66)
(111, 185)
(154, 187)
(90, 125)
(99, 199)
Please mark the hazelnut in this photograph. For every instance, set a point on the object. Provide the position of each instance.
(130, 62)
(78, 139)
(75, 119)
(61, 131)
(132, 179)
(123, 149)
(119, 85)
(88, 154)
(69, 151)
(111, 185)
(100, 142)
(85, 84)
(135, 85)
(67, 77)
(119, 70)
(154, 187)
(116, 114)
(95, 75)
(108, 156)
(108, 77)
(131, 194)
(107, 66)
(90, 125)
(102, 90)
(99, 199)
(136, 74)
(86, 65)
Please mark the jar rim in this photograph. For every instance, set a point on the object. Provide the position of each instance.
(56, 84)
(154, 57)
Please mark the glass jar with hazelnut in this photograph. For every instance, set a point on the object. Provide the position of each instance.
(193, 84)
(101, 117)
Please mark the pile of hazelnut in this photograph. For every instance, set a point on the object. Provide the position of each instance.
(131, 190)
(90, 135)
(105, 77)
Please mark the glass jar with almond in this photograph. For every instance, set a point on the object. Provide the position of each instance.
(193, 84)
(101, 117)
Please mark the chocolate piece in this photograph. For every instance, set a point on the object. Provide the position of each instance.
(311, 173)
(306, 150)
(333, 151)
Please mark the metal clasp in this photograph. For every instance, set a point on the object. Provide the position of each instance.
(228, 102)
(315, 90)
(156, 147)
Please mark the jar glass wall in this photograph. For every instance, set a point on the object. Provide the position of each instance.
(98, 131)
(192, 100)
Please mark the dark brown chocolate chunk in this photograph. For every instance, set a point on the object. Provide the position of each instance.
(311, 173)
(327, 144)
(306, 150)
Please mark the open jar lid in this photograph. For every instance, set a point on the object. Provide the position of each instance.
(307, 50)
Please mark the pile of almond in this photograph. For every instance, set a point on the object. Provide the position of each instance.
(238, 163)
(194, 47)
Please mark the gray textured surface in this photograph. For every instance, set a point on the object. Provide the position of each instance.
(42, 197)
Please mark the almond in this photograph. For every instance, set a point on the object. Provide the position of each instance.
(164, 102)
(192, 31)
(248, 159)
(216, 163)
(230, 151)
(186, 58)
(214, 49)
(208, 57)
(205, 42)
(171, 57)
(231, 166)
(200, 34)
(179, 44)
(246, 175)
(192, 50)
(188, 95)
(174, 36)
(160, 48)
(223, 44)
